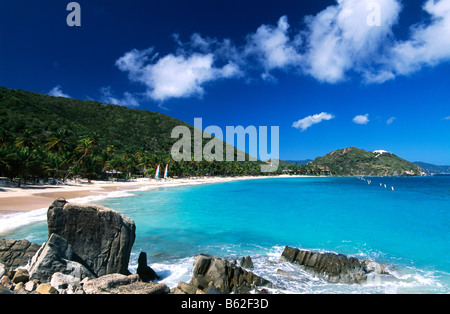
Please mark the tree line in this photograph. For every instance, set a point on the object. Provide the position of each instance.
(61, 156)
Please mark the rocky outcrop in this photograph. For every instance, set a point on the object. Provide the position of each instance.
(330, 266)
(87, 251)
(100, 236)
(144, 271)
(16, 253)
(246, 262)
(56, 256)
(224, 276)
(121, 284)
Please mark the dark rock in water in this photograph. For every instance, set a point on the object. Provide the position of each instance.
(144, 271)
(330, 266)
(55, 256)
(100, 236)
(246, 262)
(224, 276)
(16, 253)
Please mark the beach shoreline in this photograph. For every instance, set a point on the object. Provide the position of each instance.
(15, 200)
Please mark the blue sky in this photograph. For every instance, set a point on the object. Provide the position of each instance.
(330, 74)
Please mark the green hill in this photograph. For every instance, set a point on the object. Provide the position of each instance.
(358, 162)
(42, 116)
(43, 136)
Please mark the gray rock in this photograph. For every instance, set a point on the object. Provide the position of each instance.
(65, 284)
(330, 266)
(100, 236)
(53, 257)
(224, 276)
(16, 253)
(4, 290)
(121, 284)
(246, 262)
(212, 290)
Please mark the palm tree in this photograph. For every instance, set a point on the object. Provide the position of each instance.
(55, 165)
(86, 146)
(24, 159)
(59, 141)
(26, 140)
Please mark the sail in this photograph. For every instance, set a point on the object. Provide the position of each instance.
(166, 172)
(157, 173)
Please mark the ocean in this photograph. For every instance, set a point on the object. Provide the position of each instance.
(403, 222)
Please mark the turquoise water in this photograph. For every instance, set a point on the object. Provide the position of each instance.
(407, 228)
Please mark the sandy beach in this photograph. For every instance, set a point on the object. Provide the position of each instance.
(29, 198)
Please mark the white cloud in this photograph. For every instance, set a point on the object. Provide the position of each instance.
(447, 118)
(340, 39)
(174, 76)
(272, 46)
(305, 123)
(57, 92)
(128, 100)
(391, 120)
(429, 44)
(337, 43)
(361, 119)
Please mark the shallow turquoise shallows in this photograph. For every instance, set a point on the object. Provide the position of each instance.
(401, 222)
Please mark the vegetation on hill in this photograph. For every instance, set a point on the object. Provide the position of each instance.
(358, 162)
(45, 137)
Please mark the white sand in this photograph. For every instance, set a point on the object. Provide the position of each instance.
(29, 198)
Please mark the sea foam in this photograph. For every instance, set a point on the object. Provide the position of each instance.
(14, 221)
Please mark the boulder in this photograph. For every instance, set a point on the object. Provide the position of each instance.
(56, 256)
(46, 288)
(144, 271)
(121, 284)
(30, 286)
(224, 276)
(100, 236)
(66, 284)
(16, 253)
(21, 275)
(330, 266)
(185, 288)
